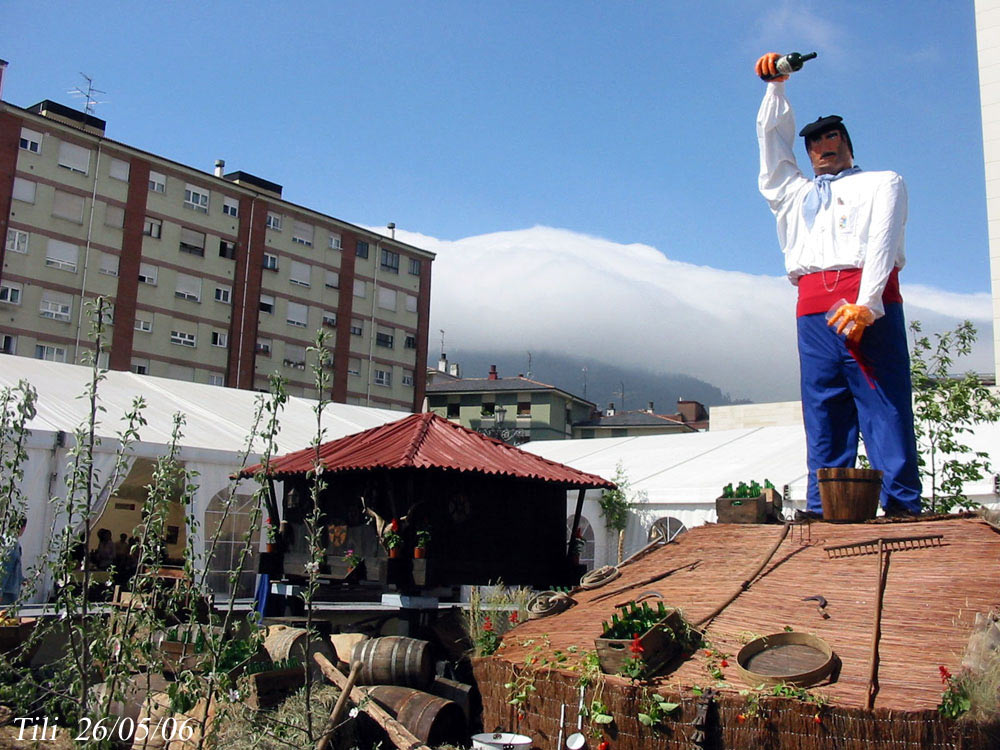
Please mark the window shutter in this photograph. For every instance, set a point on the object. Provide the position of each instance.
(188, 286)
(67, 206)
(74, 157)
(62, 255)
(300, 273)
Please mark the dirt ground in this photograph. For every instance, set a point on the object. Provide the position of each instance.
(9, 739)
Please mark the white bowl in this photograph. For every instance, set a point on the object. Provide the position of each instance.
(500, 741)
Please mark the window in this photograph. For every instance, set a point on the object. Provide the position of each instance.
(63, 255)
(146, 326)
(299, 273)
(297, 315)
(8, 344)
(182, 338)
(220, 338)
(152, 228)
(227, 249)
(270, 262)
(354, 366)
(24, 190)
(266, 303)
(67, 206)
(56, 306)
(382, 377)
(362, 249)
(31, 140)
(274, 221)
(109, 264)
(295, 356)
(50, 353)
(384, 337)
(357, 327)
(387, 299)
(114, 216)
(192, 242)
(410, 342)
(17, 241)
(118, 170)
(264, 347)
(188, 287)
(329, 319)
(524, 408)
(74, 158)
(454, 410)
(216, 379)
(196, 198)
(302, 233)
(230, 206)
(224, 294)
(147, 274)
(408, 378)
(414, 266)
(332, 280)
(390, 261)
(10, 292)
(140, 366)
(667, 526)
(360, 288)
(157, 182)
(411, 303)
(335, 241)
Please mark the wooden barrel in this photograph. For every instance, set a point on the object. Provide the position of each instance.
(432, 719)
(849, 495)
(395, 660)
(284, 642)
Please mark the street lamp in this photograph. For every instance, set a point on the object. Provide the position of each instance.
(497, 431)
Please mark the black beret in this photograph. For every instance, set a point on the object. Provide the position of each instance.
(823, 124)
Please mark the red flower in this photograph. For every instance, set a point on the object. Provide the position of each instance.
(741, 718)
(487, 623)
(723, 663)
(818, 719)
(394, 525)
(708, 652)
(513, 617)
(267, 521)
(945, 674)
(636, 647)
(605, 745)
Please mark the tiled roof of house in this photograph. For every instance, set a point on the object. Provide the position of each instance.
(633, 419)
(427, 441)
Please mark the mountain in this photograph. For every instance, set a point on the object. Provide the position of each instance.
(601, 383)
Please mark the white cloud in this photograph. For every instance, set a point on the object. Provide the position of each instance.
(546, 289)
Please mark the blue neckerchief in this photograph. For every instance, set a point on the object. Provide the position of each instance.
(819, 196)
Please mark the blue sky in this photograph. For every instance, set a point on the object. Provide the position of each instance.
(627, 121)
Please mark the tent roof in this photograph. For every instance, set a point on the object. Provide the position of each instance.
(932, 595)
(215, 418)
(427, 441)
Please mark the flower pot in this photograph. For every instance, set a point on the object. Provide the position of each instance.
(394, 553)
(419, 553)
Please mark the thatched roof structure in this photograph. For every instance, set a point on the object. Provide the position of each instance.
(931, 597)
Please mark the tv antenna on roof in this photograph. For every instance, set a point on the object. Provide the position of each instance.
(88, 95)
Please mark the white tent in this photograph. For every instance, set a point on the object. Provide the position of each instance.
(680, 476)
(217, 422)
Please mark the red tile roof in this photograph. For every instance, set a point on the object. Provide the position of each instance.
(427, 441)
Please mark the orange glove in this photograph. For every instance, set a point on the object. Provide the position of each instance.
(765, 66)
(852, 320)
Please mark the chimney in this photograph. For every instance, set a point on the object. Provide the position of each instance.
(220, 167)
(650, 408)
(443, 363)
(611, 410)
(493, 373)
(455, 370)
(3, 67)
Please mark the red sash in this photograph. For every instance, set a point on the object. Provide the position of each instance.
(819, 291)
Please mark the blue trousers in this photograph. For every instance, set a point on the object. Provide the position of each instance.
(838, 401)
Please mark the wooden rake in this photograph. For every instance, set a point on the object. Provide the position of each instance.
(881, 546)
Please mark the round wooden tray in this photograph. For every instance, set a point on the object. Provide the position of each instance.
(799, 659)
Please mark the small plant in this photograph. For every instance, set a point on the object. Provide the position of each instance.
(423, 538)
(635, 666)
(599, 715)
(753, 707)
(654, 709)
(955, 699)
(489, 640)
(391, 537)
(716, 662)
(352, 558)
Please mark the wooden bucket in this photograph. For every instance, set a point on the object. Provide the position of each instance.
(432, 719)
(849, 495)
(395, 660)
(284, 642)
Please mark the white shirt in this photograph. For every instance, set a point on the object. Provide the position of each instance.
(863, 225)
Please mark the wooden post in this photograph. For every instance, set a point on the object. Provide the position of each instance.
(398, 734)
(576, 519)
(338, 709)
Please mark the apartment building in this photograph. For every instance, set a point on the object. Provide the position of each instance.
(213, 277)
